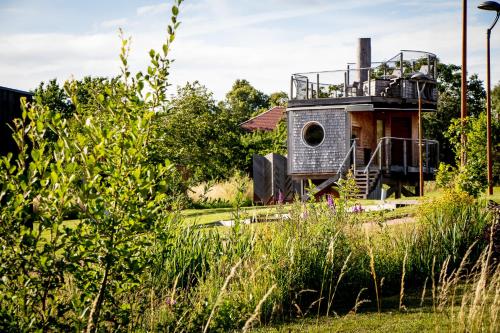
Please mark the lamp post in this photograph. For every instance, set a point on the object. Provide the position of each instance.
(493, 6)
(463, 94)
(420, 77)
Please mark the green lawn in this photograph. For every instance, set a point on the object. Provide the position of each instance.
(202, 216)
(394, 321)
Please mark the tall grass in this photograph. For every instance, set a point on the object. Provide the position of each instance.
(223, 193)
(319, 261)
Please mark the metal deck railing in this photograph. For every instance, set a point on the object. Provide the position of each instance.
(391, 78)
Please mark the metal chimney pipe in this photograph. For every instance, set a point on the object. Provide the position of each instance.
(363, 60)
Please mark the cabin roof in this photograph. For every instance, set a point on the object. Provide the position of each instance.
(266, 121)
(20, 92)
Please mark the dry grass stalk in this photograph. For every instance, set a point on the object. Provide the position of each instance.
(402, 290)
(225, 190)
(458, 275)
(433, 284)
(342, 273)
(445, 285)
(374, 275)
(423, 292)
(359, 302)
(480, 307)
(256, 313)
(232, 273)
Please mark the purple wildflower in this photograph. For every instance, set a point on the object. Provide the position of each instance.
(170, 301)
(357, 208)
(281, 198)
(330, 202)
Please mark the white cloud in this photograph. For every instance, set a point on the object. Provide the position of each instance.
(153, 9)
(216, 45)
(121, 22)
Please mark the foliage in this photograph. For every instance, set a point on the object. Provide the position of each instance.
(472, 177)
(445, 176)
(279, 98)
(54, 98)
(495, 101)
(193, 131)
(449, 86)
(57, 278)
(211, 132)
(264, 142)
(244, 101)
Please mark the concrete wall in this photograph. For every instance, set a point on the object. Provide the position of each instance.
(328, 156)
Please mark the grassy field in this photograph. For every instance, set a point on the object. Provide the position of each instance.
(303, 274)
(202, 216)
(421, 320)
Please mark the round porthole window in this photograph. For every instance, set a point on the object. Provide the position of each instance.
(313, 134)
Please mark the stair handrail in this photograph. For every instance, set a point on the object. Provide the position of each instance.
(379, 147)
(339, 171)
(349, 152)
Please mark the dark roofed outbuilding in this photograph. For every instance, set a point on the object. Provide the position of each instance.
(10, 108)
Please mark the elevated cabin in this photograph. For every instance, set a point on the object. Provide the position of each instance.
(10, 108)
(362, 118)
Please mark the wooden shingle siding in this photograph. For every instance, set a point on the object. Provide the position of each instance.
(325, 158)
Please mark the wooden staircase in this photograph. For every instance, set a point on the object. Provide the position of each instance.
(366, 182)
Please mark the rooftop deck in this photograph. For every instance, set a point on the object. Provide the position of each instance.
(384, 84)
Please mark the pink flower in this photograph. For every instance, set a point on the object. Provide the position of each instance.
(281, 198)
(170, 301)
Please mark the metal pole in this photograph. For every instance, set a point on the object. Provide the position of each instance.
(307, 88)
(370, 82)
(291, 87)
(317, 86)
(405, 161)
(420, 166)
(345, 84)
(488, 113)
(463, 110)
(401, 69)
(354, 157)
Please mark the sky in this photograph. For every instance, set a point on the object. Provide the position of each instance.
(220, 41)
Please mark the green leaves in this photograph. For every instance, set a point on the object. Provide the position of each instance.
(84, 154)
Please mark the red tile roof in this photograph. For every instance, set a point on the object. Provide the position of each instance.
(266, 121)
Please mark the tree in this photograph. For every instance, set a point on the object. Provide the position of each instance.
(279, 98)
(54, 98)
(449, 84)
(472, 177)
(495, 101)
(244, 100)
(194, 134)
(264, 142)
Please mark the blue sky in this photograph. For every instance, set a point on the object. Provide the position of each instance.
(222, 40)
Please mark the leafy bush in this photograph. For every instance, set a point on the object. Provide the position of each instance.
(445, 176)
(471, 178)
(56, 277)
